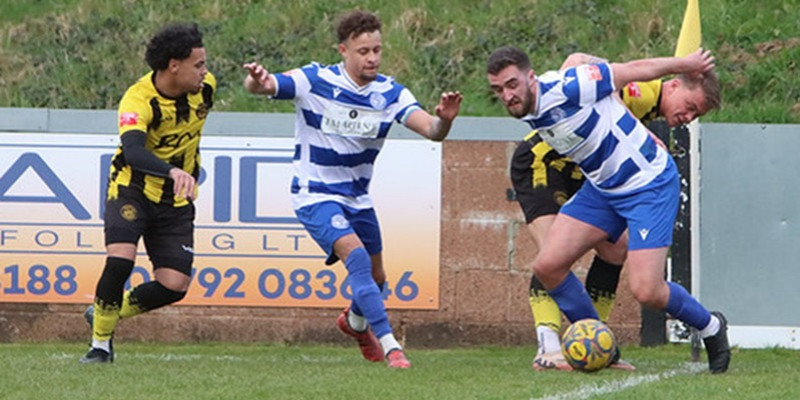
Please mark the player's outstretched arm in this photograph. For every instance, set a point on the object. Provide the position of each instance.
(575, 59)
(648, 69)
(258, 79)
(436, 127)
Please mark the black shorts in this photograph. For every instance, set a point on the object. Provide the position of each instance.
(543, 179)
(168, 231)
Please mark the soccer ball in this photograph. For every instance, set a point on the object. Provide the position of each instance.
(588, 345)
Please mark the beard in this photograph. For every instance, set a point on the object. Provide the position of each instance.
(368, 77)
(525, 106)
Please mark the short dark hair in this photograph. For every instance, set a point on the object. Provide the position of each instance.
(709, 83)
(505, 56)
(355, 23)
(174, 41)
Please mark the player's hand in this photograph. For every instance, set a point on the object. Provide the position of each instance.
(699, 62)
(258, 73)
(184, 183)
(449, 105)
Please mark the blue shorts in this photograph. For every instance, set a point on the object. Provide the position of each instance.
(649, 213)
(328, 221)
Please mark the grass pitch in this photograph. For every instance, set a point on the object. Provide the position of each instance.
(269, 371)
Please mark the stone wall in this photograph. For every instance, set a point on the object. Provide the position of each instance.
(485, 272)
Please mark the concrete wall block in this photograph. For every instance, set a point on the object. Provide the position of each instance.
(475, 154)
(483, 296)
(471, 245)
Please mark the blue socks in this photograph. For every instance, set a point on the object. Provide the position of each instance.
(354, 307)
(575, 303)
(367, 299)
(686, 308)
(573, 300)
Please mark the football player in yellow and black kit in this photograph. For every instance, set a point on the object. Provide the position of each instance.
(153, 182)
(543, 181)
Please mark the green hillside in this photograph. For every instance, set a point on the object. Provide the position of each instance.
(84, 53)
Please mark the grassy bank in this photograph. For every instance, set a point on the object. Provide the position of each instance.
(84, 53)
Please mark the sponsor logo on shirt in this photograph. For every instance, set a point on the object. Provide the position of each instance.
(128, 118)
(593, 72)
(634, 90)
(345, 121)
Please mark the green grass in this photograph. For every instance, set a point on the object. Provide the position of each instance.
(253, 371)
(84, 53)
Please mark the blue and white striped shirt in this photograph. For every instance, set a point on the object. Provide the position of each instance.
(339, 131)
(577, 116)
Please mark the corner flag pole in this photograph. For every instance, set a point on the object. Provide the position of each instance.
(688, 42)
(689, 38)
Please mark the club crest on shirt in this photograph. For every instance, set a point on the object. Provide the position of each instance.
(560, 197)
(128, 212)
(202, 111)
(377, 101)
(557, 114)
(338, 221)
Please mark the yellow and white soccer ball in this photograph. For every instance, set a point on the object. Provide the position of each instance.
(588, 345)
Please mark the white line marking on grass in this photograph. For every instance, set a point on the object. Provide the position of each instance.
(160, 357)
(304, 358)
(588, 391)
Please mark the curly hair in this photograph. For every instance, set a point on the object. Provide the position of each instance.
(355, 23)
(174, 41)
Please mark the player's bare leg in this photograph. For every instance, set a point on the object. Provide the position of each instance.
(602, 282)
(650, 289)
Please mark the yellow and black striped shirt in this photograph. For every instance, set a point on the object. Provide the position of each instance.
(643, 99)
(173, 128)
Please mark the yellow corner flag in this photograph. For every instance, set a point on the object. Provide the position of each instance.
(689, 38)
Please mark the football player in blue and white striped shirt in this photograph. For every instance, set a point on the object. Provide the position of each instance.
(632, 183)
(344, 112)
